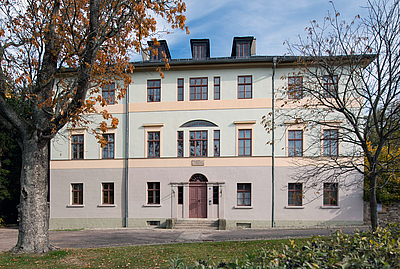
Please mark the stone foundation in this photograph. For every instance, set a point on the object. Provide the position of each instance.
(389, 213)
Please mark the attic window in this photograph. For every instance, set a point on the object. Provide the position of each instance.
(242, 50)
(156, 54)
(200, 49)
(158, 50)
(199, 52)
(243, 47)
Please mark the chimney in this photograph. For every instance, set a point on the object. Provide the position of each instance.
(253, 47)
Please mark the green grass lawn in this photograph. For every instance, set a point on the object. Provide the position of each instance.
(155, 256)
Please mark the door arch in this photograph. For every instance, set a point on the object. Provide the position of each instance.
(198, 196)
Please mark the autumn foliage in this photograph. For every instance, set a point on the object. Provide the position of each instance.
(63, 32)
(388, 183)
(55, 58)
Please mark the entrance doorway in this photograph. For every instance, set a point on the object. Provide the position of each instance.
(198, 196)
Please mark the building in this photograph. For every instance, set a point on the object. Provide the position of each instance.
(191, 146)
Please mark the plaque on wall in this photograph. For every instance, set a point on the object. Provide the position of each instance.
(197, 162)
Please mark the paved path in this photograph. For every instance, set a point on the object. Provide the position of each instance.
(126, 237)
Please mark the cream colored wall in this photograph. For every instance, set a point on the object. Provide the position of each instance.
(261, 82)
(61, 144)
(174, 119)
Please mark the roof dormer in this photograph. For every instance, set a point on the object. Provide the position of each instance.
(156, 51)
(243, 47)
(200, 48)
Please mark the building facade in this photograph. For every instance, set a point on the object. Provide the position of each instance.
(191, 146)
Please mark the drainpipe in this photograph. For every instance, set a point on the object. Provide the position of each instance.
(273, 143)
(126, 154)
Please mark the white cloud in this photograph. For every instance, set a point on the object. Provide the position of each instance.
(270, 22)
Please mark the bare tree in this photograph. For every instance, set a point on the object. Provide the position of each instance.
(350, 89)
(55, 57)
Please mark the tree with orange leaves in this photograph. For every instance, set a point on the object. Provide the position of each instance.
(55, 56)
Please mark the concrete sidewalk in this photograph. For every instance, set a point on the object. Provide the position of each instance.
(94, 238)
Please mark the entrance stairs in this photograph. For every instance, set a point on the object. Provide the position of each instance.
(196, 224)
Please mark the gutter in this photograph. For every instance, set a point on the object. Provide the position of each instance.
(126, 155)
(273, 144)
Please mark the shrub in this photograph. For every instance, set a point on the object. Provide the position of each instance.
(371, 249)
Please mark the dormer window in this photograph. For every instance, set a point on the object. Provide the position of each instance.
(156, 54)
(242, 50)
(157, 51)
(200, 49)
(199, 52)
(243, 47)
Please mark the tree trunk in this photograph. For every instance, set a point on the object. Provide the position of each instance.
(33, 234)
(372, 202)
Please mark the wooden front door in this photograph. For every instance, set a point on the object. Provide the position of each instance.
(198, 200)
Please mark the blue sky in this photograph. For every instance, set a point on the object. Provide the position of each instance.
(270, 22)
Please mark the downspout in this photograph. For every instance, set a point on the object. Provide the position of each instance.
(273, 143)
(126, 154)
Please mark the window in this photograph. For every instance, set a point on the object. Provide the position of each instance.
(180, 144)
(244, 142)
(198, 89)
(108, 93)
(295, 194)
(295, 142)
(215, 195)
(295, 87)
(77, 146)
(330, 194)
(108, 150)
(153, 144)
(198, 143)
(217, 88)
(154, 90)
(330, 86)
(244, 87)
(216, 143)
(199, 52)
(199, 123)
(108, 193)
(331, 142)
(77, 193)
(153, 192)
(242, 50)
(180, 195)
(243, 194)
(156, 53)
(180, 89)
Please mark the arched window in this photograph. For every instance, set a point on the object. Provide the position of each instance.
(199, 123)
(198, 178)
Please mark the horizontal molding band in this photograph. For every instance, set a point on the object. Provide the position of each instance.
(262, 161)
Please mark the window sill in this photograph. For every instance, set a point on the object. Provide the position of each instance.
(243, 207)
(152, 205)
(72, 206)
(294, 207)
(107, 205)
(330, 207)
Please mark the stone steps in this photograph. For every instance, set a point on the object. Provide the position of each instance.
(199, 224)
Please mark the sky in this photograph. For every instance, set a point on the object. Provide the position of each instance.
(270, 22)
